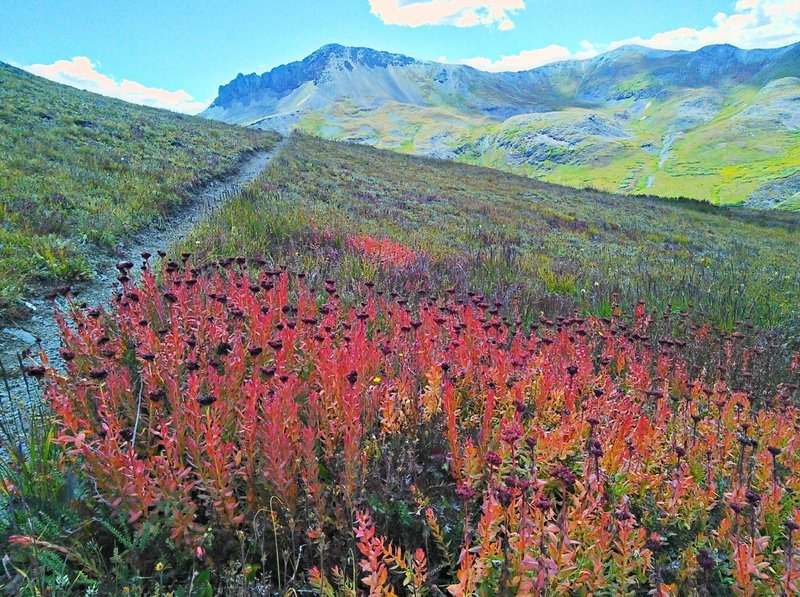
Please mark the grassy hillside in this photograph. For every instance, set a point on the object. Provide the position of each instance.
(80, 171)
(508, 236)
(333, 396)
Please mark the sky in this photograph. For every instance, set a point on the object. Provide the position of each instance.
(175, 53)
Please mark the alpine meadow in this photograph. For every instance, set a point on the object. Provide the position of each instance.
(520, 321)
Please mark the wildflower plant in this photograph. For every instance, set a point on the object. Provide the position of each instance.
(431, 441)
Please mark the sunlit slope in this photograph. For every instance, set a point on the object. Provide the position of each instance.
(722, 148)
(705, 146)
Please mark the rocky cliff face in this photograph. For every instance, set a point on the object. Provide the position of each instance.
(314, 68)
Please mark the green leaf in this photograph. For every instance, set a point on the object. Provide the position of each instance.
(203, 588)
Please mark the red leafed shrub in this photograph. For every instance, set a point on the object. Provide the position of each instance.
(385, 251)
(576, 455)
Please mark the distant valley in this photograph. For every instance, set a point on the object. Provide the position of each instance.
(720, 124)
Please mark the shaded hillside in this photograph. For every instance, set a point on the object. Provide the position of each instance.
(720, 124)
(79, 171)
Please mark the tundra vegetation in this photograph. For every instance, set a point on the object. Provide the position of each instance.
(371, 373)
(81, 172)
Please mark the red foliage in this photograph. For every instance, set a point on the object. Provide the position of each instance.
(385, 251)
(580, 456)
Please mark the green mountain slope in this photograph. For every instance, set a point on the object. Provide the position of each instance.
(552, 247)
(719, 124)
(79, 172)
(723, 148)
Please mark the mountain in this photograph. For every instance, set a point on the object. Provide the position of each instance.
(366, 80)
(720, 124)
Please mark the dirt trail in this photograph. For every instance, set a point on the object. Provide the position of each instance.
(20, 335)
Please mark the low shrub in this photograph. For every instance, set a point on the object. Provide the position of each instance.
(279, 435)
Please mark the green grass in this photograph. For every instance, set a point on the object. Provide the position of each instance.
(80, 172)
(504, 235)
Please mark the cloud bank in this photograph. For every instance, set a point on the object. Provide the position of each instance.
(528, 59)
(459, 13)
(82, 73)
(751, 24)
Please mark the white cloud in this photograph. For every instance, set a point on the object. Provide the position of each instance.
(528, 59)
(752, 24)
(82, 73)
(460, 13)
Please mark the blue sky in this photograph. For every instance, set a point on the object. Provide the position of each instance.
(176, 53)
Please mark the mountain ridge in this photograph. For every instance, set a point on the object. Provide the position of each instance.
(279, 78)
(275, 79)
(631, 120)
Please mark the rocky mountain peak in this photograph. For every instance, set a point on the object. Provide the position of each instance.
(287, 77)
